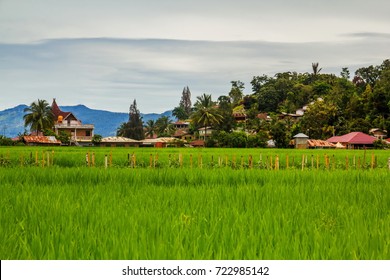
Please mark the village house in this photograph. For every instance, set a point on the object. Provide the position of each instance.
(80, 134)
(378, 133)
(354, 140)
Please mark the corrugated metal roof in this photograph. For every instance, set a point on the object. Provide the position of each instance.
(353, 138)
(41, 139)
(160, 140)
(320, 143)
(118, 140)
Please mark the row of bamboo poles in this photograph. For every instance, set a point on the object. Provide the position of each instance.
(46, 159)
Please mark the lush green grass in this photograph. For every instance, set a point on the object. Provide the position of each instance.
(187, 157)
(184, 213)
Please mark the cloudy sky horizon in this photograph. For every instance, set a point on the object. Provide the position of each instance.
(104, 54)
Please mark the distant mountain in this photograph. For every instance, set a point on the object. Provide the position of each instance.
(106, 122)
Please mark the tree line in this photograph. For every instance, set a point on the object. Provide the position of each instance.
(332, 105)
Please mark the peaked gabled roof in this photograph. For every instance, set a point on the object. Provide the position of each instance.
(57, 111)
(353, 138)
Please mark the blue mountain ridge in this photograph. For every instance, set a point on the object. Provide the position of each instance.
(106, 122)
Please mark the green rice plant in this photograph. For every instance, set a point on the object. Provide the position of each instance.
(184, 213)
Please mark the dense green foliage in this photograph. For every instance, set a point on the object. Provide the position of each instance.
(331, 105)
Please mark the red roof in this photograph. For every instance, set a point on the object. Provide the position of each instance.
(42, 140)
(353, 138)
(57, 111)
(197, 143)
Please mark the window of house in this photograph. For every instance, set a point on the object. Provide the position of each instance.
(88, 133)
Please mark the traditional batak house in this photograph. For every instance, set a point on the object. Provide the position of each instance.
(80, 134)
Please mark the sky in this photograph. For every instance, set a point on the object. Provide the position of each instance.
(104, 53)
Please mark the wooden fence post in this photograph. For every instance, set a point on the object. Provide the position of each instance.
(388, 162)
(286, 161)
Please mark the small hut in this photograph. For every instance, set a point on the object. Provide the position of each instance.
(301, 141)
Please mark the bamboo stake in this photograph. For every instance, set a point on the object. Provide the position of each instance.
(234, 161)
(181, 160)
(354, 161)
(242, 161)
(93, 159)
(155, 160)
(312, 161)
(226, 160)
(364, 158)
(346, 162)
(277, 162)
(48, 159)
(43, 159)
(110, 159)
(36, 158)
(52, 157)
(318, 161)
(105, 162)
(303, 162)
(358, 166)
(270, 165)
(191, 160)
(287, 167)
(372, 160)
(388, 162)
(150, 160)
(333, 163)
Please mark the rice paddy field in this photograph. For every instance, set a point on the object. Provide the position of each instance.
(221, 204)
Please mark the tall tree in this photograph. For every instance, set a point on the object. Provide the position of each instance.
(135, 125)
(39, 116)
(236, 92)
(185, 101)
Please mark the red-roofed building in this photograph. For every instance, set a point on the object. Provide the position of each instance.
(80, 134)
(41, 140)
(354, 140)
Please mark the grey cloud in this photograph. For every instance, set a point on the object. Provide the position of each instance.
(108, 73)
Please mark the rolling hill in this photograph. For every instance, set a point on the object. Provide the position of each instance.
(106, 122)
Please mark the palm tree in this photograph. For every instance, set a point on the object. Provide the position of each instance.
(205, 113)
(315, 68)
(151, 128)
(122, 130)
(39, 116)
(164, 126)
